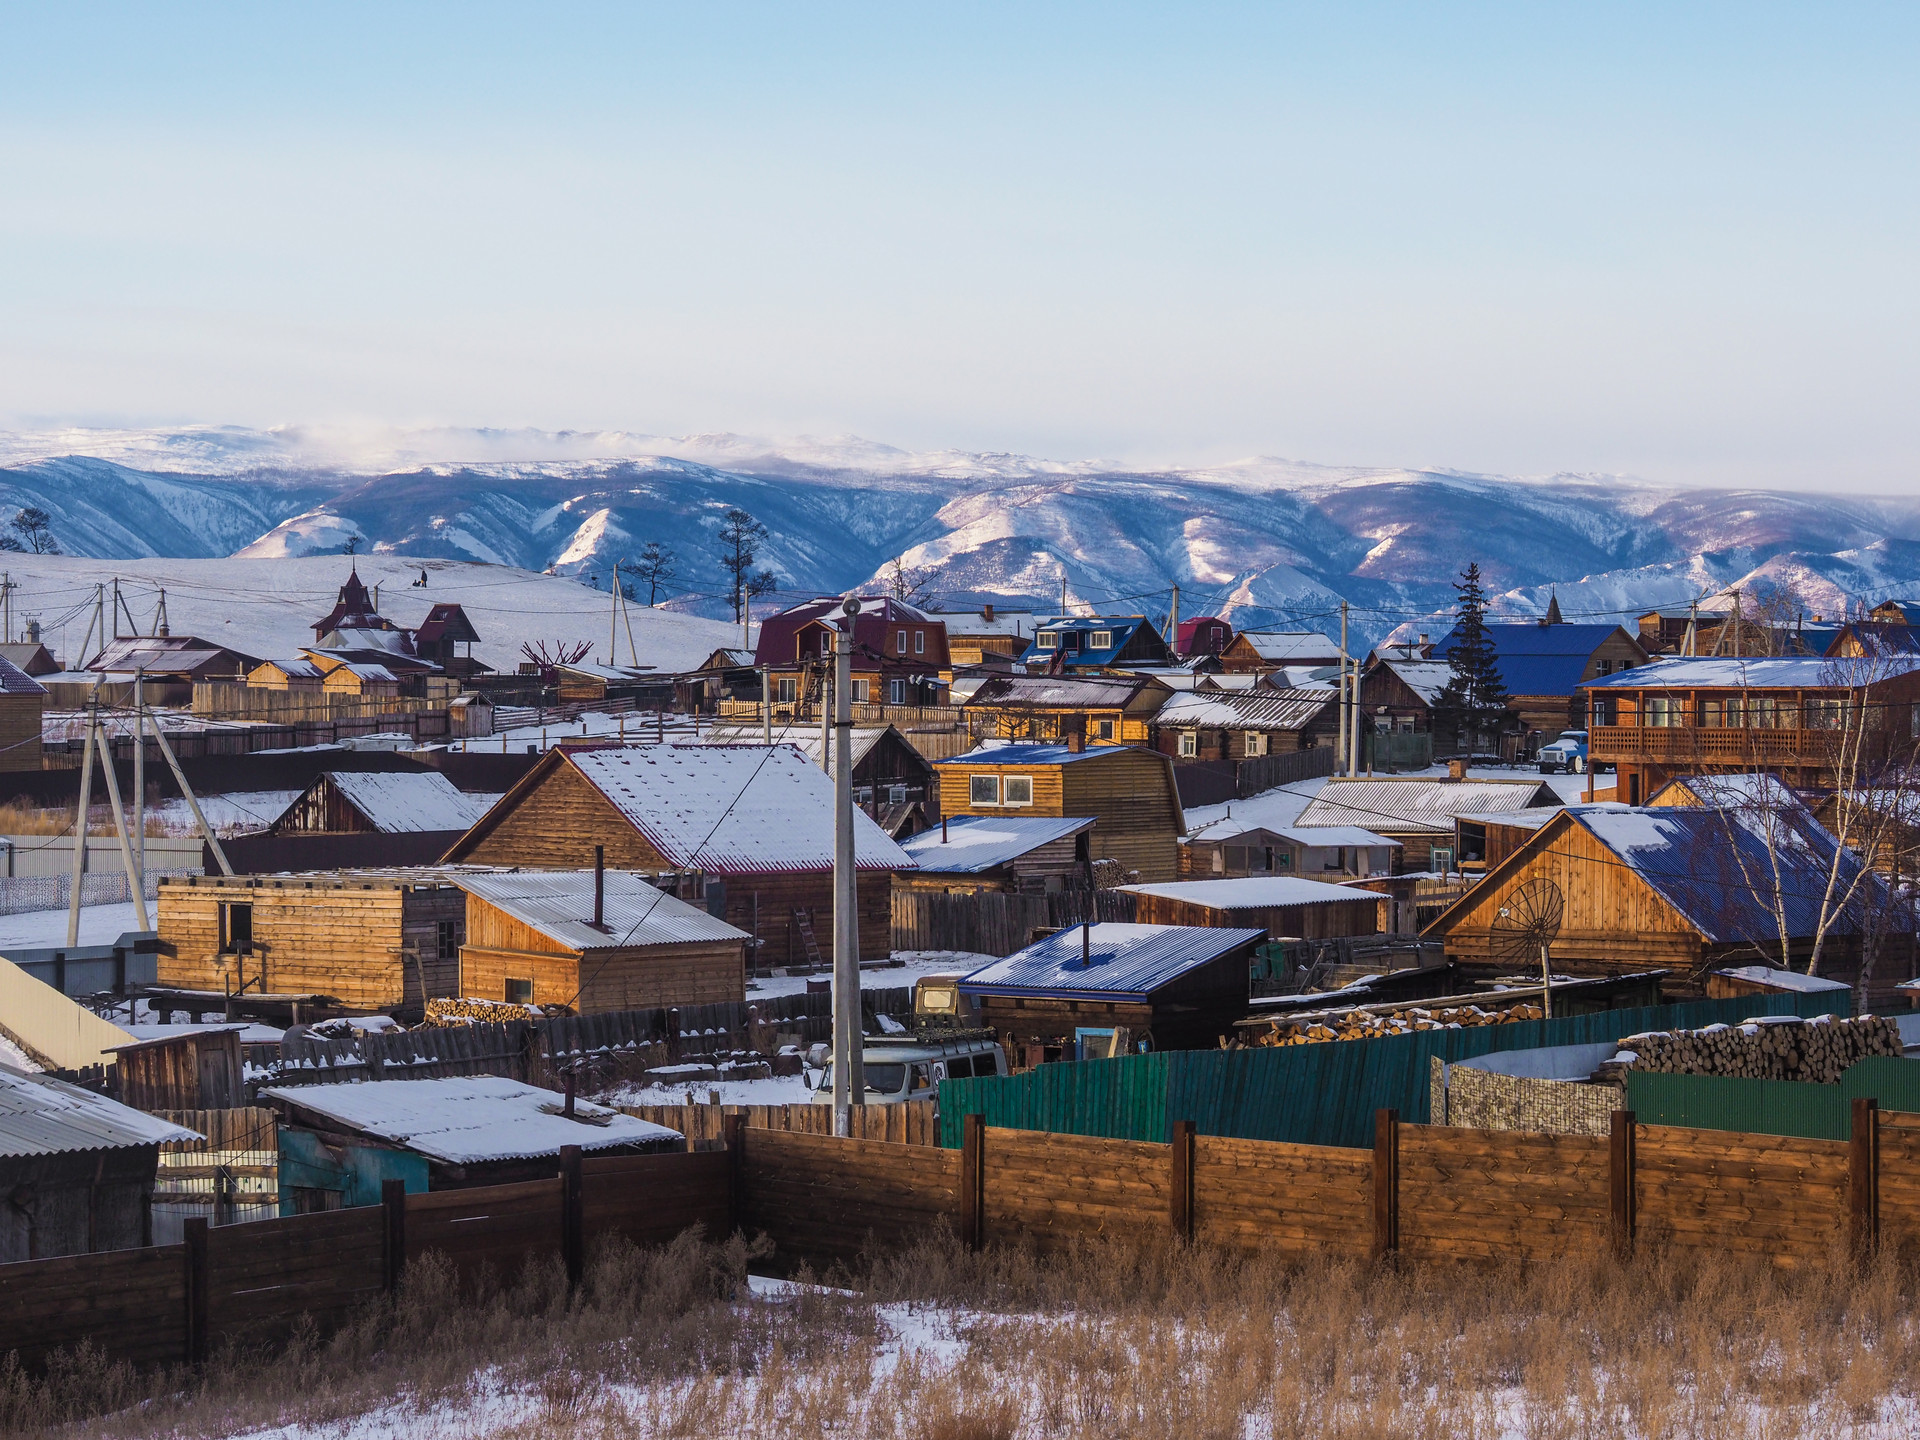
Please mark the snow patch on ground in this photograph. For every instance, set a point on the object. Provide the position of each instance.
(99, 925)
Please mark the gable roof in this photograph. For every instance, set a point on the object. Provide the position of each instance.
(1225, 829)
(1426, 678)
(400, 802)
(1250, 892)
(1127, 960)
(559, 905)
(1285, 647)
(1261, 709)
(972, 844)
(446, 621)
(1536, 659)
(1021, 752)
(805, 738)
(1420, 806)
(1076, 692)
(1120, 630)
(1731, 672)
(15, 681)
(43, 1116)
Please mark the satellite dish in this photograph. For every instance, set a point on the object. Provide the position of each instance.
(1524, 928)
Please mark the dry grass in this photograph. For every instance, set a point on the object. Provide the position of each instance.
(1095, 1342)
(21, 816)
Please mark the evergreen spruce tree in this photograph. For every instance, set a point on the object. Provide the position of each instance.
(1474, 702)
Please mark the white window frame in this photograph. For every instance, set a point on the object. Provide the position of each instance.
(919, 642)
(1046, 640)
(1189, 744)
(862, 690)
(1100, 640)
(983, 790)
(1012, 785)
(785, 689)
(897, 692)
(1108, 728)
(900, 642)
(1256, 742)
(826, 642)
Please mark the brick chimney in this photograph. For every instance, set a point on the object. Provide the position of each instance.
(986, 613)
(1456, 771)
(1074, 729)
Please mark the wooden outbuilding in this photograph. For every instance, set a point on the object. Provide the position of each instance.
(746, 831)
(381, 802)
(1128, 791)
(1100, 709)
(1246, 724)
(192, 1067)
(367, 941)
(1419, 812)
(1025, 855)
(23, 702)
(1261, 652)
(1277, 904)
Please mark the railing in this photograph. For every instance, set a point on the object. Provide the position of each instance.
(1683, 744)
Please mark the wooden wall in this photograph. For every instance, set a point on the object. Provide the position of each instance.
(1300, 1200)
(199, 1070)
(20, 717)
(1776, 1196)
(1127, 791)
(1365, 914)
(1486, 1194)
(819, 1198)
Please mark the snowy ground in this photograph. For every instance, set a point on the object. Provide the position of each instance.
(234, 813)
(99, 925)
(779, 1090)
(639, 727)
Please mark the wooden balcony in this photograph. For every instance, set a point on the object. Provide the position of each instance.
(1687, 747)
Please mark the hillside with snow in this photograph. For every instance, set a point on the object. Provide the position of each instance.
(1263, 541)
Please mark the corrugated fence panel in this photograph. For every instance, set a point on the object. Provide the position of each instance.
(1123, 1099)
(1752, 1107)
(1894, 1082)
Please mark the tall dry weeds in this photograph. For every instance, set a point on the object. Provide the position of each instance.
(1088, 1341)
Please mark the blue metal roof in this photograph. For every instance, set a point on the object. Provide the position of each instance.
(1796, 672)
(1128, 961)
(969, 844)
(1536, 639)
(1018, 754)
(1121, 627)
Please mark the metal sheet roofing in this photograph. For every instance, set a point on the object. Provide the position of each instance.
(43, 1116)
(559, 904)
(804, 738)
(1794, 672)
(1226, 828)
(15, 681)
(1426, 678)
(470, 1120)
(1412, 806)
(972, 843)
(1084, 692)
(1126, 960)
(1290, 646)
(1119, 629)
(1247, 710)
(1254, 892)
(728, 809)
(1020, 753)
(400, 802)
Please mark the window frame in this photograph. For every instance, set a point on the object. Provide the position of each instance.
(1189, 744)
(1256, 742)
(447, 939)
(1100, 640)
(1007, 788)
(977, 784)
(1047, 640)
(786, 689)
(228, 944)
(919, 642)
(515, 991)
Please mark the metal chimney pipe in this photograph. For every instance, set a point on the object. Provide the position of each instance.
(599, 887)
(1086, 945)
(943, 829)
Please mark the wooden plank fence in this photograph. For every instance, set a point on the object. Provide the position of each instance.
(705, 1126)
(994, 924)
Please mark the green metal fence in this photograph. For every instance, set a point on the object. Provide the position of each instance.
(1774, 1107)
(1309, 1094)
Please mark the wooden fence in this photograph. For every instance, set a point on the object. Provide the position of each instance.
(1424, 1192)
(706, 1128)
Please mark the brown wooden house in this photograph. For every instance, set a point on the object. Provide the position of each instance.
(1246, 724)
(192, 1067)
(1420, 812)
(746, 832)
(1004, 854)
(22, 702)
(1261, 652)
(380, 802)
(1399, 694)
(1129, 793)
(1101, 709)
(897, 657)
(362, 942)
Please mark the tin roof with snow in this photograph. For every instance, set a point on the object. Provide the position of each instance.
(1019, 752)
(1123, 961)
(1247, 710)
(559, 905)
(972, 843)
(1784, 979)
(1413, 806)
(43, 1116)
(1254, 892)
(1425, 678)
(15, 681)
(725, 809)
(397, 802)
(1290, 646)
(1794, 672)
(1076, 692)
(804, 738)
(1225, 828)
(469, 1120)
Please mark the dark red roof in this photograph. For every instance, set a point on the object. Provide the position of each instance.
(446, 622)
(352, 611)
(1204, 635)
(880, 618)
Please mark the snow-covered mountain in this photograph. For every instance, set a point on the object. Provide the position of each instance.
(1264, 541)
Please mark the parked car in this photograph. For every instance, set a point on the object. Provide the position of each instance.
(911, 1067)
(1568, 753)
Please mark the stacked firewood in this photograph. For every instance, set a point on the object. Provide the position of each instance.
(470, 1010)
(1784, 1048)
(1365, 1025)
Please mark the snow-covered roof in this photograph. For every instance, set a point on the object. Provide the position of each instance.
(355, 639)
(1426, 678)
(1290, 646)
(251, 1032)
(1731, 790)
(43, 1116)
(403, 802)
(804, 738)
(1076, 692)
(296, 668)
(1284, 710)
(732, 808)
(1124, 960)
(559, 904)
(1405, 806)
(1019, 752)
(1783, 979)
(969, 624)
(611, 674)
(469, 1120)
(1253, 892)
(1530, 819)
(15, 681)
(1225, 829)
(972, 843)
(1796, 672)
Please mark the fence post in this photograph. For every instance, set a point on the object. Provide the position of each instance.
(1181, 1199)
(1620, 1181)
(393, 1200)
(196, 1238)
(573, 1223)
(1386, 1181)
(736, 1138)
(1863, 1178)
(973, 1209)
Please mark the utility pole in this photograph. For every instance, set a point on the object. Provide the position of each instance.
(140, 778)
(1353, 748)
(160, 626)
(1693, 620)
(6, 605)
(613, 624)
(1342, 755)
(1063, 592)
(1736, 622)
(80, 831)
(827, 678)
(1173, 620)
(766, 704)
(849, 1069)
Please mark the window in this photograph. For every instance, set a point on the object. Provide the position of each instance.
(1256, 742)
(826, 643)
(236, 929)
(1713, 714)
(983, 789)
(1047, 640)
(1605, 711)
(1829, 713)
(960, 1067)
(1665, 712)
(1603, 667)
(519, 992)
(922, 1077)
(312, 1200)
(1189, 743)
(784, 689)
(919, 642)
(900, 642)
(897, 692)
(1283, 859)
(1336, 859)
(1104, 729)
(1017, 790)
(1442, 856)
(447, 939)
(861, 690)
(1100, 640)
(886, 1079)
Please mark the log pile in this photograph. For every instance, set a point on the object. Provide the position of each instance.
(1365, 1025)
(472, 1011)
(1771, 1048)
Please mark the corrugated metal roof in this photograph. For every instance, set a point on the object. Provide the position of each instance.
(15, 681)
(1018, 753)
(973, 843)
(1295, 646)
(399, 802)
(43, 1116)
(1088, 692)
(1426, 678)
(1126, 960)
(1227, 828)
(559, 904)
(1794, 672)
(804, 738)
(732, 808)
(1405, 806)
(1247, 710)
(469, 1120)
(1253, 892)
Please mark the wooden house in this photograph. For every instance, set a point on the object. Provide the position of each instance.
(1129, 793)
(1398, 693)
(1246, 724)
(1095, 642)
(1278, 905)
(382, 802)
(1481, 841)
(887, 770)
(1203, 635)
(1006, 854)
(298, 673)
(751, 832)
(591, 682)
(1102, 709)
(1227, 848)
(361, 942)
(594, 941)
(1863, 638)
(22, 704)
(1543, 666)
(169, 666)
(77, 1169)
(185, 1067)
(1261, 652)
(1685, 888)
(898, 654)
(1419, 813)
(1795, 717)
(440, 636)
(726, 674)
(367, 680)
(31, 657)
(1666, 632)
(975, 636)
(1089, 991)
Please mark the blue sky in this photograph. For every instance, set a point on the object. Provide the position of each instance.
(1528, 239)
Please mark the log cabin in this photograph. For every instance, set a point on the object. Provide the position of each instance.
(748, 829)
(1129, 793)
(1279, 905)
(1419, 813)
(593, 942)
(1103, 709)
(1262, 652)
(1398, 693)
(898, 655)
(356, 941)
(1246, 724)
(22, 705)
(1085, 991)
(887, 770)
(1001, 854)
(973, 636)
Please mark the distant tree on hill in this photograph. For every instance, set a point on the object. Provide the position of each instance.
(1473, 706)
(909, 584)
(352, 544)
(32, 531)
(656, 568)
(740, 536)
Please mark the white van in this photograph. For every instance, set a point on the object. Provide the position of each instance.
(911, 1067)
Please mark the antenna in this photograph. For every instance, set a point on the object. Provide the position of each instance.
(1524, 928)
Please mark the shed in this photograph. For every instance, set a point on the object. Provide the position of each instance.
(1768, 980)
(187, 1067)
(472, 1130)
(1277, 904)
(1228, 847)
(362, 802)
(298, 673)
(1263, 651)
(77, 1169)
(1419, 813)
(1168, 987)
(23, 703)
(1484, 840)
(544, 937)
(1029, 854)
(1242, 725)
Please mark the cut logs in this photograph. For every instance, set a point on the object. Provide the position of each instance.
(1769, 1048)
(1365, 1025)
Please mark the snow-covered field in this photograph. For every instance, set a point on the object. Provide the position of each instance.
(99, 925)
